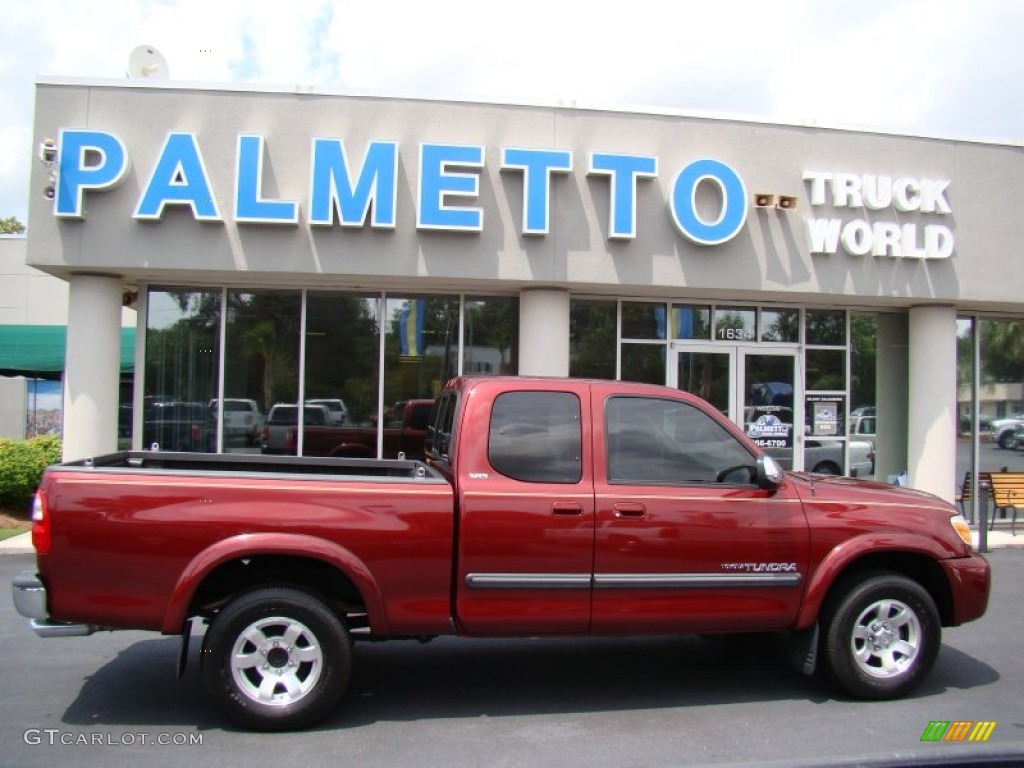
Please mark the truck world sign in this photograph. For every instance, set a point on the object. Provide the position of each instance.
(353, 193)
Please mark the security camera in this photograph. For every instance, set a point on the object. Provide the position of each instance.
(48, 151)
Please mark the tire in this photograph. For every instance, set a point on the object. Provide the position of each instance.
(826, 468)
(1007, 439)
(882, 636)
(276, 659)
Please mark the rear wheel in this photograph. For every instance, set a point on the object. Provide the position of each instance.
(882, 636)
(276, 659)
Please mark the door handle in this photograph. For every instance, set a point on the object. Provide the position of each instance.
(629, 510)
(566, 508)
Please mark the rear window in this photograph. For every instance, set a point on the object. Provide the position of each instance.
(286, 415)
(537, 437)
(237, 405)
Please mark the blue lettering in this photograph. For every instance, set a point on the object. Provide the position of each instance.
(249, 203)
(684, 202)
(76, 173)
(623, 170)
(438, 182)
(537, 166)
(331, 189)
(179, 178)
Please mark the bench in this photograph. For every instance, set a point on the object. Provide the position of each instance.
(1007, 494)
(966, 495)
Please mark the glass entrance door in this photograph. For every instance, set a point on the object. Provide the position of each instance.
(756, 388)
(707, 372)
(771, 418)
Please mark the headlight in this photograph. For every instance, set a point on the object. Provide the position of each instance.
(959, 523)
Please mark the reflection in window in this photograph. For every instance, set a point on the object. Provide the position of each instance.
(643, 362)
(342, 352)
(667, 442)
(825, 370)
(261, 356)
(827, 327)
(780, 325)
(492, 331)
(182, 353)
(735, 324)
(999, 396)
(690, 322)
(536, 437)
(863, 359)
(592, 339)
(420, 351)
(643, 320)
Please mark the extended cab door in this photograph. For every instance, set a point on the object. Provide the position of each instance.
(685, 539)
(526, 510)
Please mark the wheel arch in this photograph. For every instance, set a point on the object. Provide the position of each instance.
(249, 561)
(838, 570)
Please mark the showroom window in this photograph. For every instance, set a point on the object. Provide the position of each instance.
(240, 366)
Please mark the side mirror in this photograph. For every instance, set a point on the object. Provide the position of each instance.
(769, 473)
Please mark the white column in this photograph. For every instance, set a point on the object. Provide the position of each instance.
(92, 366)
(931, 417)
(544, 332)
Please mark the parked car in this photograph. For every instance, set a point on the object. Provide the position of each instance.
(336, 406)
(242, 418)
(1003, 430)
(1018, 438)
(772, 431)
(177, 426)
(862, 427)
(404, 434)
(281, 432)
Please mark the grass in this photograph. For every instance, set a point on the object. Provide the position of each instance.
(12, 524)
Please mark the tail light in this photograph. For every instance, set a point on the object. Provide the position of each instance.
(41, 538)
(290, 439)
(196, 434)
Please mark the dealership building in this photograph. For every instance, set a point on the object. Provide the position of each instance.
(286, 245)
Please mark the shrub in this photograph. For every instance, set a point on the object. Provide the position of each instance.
(21, 466)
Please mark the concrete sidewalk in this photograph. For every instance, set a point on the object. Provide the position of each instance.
(997, 539)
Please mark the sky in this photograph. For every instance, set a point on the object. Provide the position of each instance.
(948, 68)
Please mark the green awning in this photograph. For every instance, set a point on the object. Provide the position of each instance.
(38, 350)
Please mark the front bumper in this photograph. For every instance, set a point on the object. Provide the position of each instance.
(30, 601)
(970, 580)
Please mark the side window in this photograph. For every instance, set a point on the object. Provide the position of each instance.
(667, 442)
(536, 437)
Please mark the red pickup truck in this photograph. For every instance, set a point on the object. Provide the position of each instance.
(403, 435)
(545, 507)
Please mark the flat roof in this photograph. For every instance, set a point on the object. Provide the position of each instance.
(568, 104)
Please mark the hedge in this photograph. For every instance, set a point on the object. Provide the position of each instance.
(21, 466)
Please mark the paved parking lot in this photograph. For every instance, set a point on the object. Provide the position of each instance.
(112, 698)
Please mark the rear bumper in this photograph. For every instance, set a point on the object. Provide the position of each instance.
(30, 601)
(970, 580)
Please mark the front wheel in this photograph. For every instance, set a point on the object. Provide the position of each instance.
(276, 659)
(882, 636)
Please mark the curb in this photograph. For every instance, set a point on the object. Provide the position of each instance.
(18, 545)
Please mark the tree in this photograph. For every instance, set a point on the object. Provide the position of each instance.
(11, 226)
